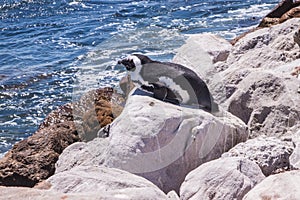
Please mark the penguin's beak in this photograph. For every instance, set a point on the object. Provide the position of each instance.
(127, 63)
(120, 62)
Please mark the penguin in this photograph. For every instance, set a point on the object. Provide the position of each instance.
(169, 82)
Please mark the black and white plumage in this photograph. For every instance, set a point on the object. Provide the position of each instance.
(169, 82)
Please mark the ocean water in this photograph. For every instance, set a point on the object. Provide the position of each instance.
(52, 50)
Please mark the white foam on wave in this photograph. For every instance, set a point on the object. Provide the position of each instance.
(78, 3)
(9, 123)
(257, 10)
(3, 146)
(234, 33)
(253, 12)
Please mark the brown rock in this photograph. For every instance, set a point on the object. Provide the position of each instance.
(62, 114)
(95, 110)
(33, 159)
(281, 8)
(285, 10)
(293, 13)
(269, 21)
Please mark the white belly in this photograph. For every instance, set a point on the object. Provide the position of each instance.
(169, 83)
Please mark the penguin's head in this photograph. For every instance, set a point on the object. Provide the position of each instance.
(134, 61)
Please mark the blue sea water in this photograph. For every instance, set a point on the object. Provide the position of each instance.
(51, 49)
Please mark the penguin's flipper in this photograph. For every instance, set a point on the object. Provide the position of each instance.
(147, 88)
(159, 91)
(163, 93)
(171, 97)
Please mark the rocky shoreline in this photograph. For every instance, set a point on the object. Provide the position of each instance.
(149, 149)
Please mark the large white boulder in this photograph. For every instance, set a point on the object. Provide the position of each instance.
(280, 186)
(14, 193)
(109, 182)
(224, 178)
(20, 193)
(163, 142)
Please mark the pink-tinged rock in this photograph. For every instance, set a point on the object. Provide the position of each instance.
(117, 184)
(280, 186)
(163, 142)
(224, 178)
(271, 154)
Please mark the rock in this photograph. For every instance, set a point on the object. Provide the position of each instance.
(266, 48)
(172, 195)
(33, 159)
(255, 81)
(285, 10)
(201, 51)
(295, 157)
(269, 21)
(13, 193)
(292, 13)
(270, 154)
(82, 153)
(288, 69)
(236, 39)
(269, 103)
(163, 142)
(96, 109)
(263, 49)
(104, 181)
(60, 115)
(280, 186)
(281, 8)
(224, 178)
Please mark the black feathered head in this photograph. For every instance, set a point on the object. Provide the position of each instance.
(135, 61)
